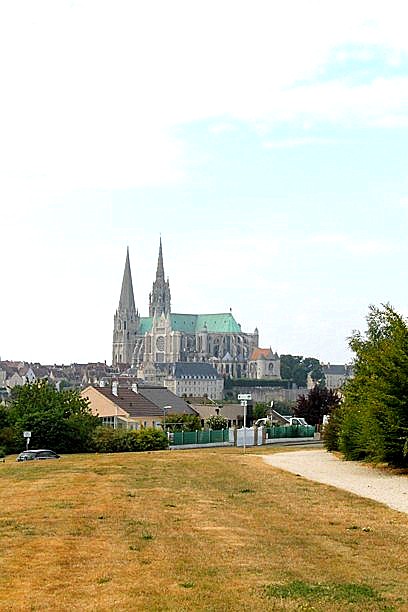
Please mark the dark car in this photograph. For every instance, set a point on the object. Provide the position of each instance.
(31, 455)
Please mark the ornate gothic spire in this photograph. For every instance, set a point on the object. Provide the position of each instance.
(159, 299)
(160, 267)
(127, 298)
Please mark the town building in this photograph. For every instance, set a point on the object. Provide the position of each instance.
(335, 375)
(135, 407)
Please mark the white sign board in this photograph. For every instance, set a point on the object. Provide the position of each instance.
(244, 396)
(244, 403)
(27, 434)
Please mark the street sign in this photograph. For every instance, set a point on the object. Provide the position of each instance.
(244, 403)
(27, 434)
(244, 396)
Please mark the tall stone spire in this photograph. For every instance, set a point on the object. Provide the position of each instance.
(126, 321)
(127, 299)
(160, 267)
(159, 298)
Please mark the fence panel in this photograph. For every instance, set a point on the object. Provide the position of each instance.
(290, 431)
(206, 436)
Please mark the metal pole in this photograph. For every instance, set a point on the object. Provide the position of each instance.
(245, 415)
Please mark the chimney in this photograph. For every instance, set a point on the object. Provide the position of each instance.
(134, 387)
(115, 386)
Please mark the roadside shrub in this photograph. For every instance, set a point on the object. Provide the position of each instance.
(217, 422)
(331, 431)
(183, 422)
(107, 440)
(9, 440)
(2, 452)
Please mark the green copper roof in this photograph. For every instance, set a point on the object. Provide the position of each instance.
(190, 324)
(145, 324)
(216, 323)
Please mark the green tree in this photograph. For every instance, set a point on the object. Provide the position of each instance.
(217, 421)
(375, 419)
(260, 411)
(7, 433)
(318, 402)
(284, 407)
(331, 431)
(296, 368)
(60, 420)
(183, 422)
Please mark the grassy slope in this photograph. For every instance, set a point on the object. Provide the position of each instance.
(191, 530)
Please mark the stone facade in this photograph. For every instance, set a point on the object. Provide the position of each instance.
(264, 363)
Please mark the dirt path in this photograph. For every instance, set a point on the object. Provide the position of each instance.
(362, 480)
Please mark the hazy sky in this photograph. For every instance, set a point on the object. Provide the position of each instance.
(265, 141)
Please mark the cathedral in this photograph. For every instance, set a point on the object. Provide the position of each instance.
(165, 337)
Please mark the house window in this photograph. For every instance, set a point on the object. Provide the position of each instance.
(108, 421)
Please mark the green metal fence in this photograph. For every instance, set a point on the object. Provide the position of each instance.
(290, 431)
(207, 436)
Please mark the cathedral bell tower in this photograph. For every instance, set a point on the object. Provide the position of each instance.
(159, 298)
(126, 321)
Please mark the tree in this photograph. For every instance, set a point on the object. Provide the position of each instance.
(6, 431)
(260, 411)
(183, 422)
(217, 421)
(60, 420)
(318, 402)
(284, 407)
(296, 368)
(374, 424)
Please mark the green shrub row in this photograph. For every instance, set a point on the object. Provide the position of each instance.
(108, 440)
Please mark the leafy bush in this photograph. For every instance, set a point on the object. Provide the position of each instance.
(2, 452)
(217, 422)
(108, 440)
(183, 422)
(331, 431)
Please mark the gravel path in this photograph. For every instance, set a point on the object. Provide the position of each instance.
(362, 480)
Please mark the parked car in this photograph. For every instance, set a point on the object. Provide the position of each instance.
(32, 455)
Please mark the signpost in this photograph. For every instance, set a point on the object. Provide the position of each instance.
(244, 397)
(27, 436)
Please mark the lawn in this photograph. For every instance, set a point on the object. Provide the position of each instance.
(192, 530)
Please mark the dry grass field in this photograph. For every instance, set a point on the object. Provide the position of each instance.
(192, 530)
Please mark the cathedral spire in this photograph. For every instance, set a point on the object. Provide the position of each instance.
(127, 299)
(159, 299)
(160, 267)
(126, 321)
